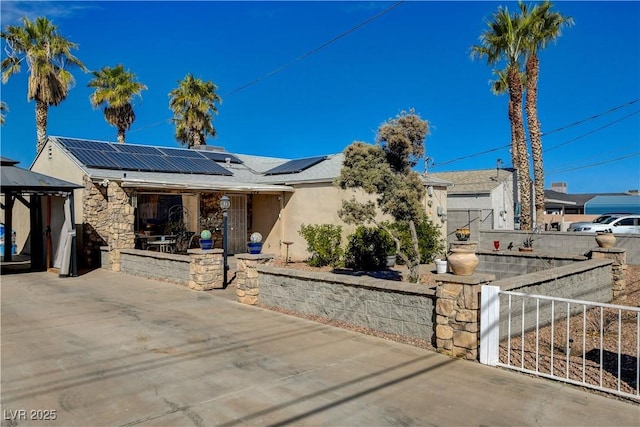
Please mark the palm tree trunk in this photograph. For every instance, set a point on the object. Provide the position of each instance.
(533, 70)
(524, 179)
(121, 135)
(514, 144)
(42, 113)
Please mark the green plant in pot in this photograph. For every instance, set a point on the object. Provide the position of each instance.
(205, 239)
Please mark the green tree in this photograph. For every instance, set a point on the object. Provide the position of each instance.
(47, 55)
(504, 40)
(3, 109)
(541, 25)
(115, 89)
(193, 104)
(385, 170)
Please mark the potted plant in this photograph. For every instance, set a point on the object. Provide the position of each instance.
(527, 244)
(255, 243)
(205, 239)
(391, 256)
(463, 234)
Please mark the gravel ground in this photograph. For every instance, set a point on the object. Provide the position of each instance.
(582, 369)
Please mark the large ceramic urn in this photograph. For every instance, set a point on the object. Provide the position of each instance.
(605, 239)
(462, 262)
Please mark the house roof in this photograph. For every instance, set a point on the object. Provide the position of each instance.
(613, 204)
(16, 179)
(555, 198)
(475, 181)
(245, 173)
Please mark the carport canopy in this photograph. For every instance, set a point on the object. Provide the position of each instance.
(15, 184)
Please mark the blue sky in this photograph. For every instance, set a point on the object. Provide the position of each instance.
(414, 56)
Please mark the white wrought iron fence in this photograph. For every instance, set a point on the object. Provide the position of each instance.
(585, 343)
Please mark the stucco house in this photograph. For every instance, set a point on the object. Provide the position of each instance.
(482, 199)
(129, 190)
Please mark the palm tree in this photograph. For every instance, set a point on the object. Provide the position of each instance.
(193, 104)
(499, 86)
(541, 25)
(503, 40)
(47, 55)
(115, 89)
(3, 109)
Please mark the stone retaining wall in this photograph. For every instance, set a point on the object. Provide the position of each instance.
(506, 264)
(199, 270)
(155, 265)
(559, 242)
(383, 305)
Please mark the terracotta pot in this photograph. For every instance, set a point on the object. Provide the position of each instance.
(462, 262)
(605, 240)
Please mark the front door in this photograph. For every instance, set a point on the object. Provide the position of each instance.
(237, 224)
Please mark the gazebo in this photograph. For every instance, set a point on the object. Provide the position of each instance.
(19, 184)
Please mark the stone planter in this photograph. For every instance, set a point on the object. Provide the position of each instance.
(462, 262)
(605, 240)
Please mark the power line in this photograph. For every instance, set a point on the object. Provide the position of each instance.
(470, 156)
(311, 52)
(611, 110)
(604, 162)
(591, 132)
(299, 58)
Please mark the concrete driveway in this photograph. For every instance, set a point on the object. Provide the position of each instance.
(117, 350)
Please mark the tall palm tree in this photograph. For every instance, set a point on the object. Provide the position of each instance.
(503, 41)
(47, 55)
(115, 89)
(3, 109)
(541, 26)
(500, 86)
(193, 104)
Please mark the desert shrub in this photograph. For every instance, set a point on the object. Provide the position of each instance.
(429, 238)
(367, 249)
(323, 243)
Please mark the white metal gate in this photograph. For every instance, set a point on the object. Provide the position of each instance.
(589, 344)
(237, 224)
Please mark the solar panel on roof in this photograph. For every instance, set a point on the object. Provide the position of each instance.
(87, 145)
(158, 164)
(220, 157)
(176, 152)
(94, 158)
(138, 149)
(295, 166)
(127, 161)
(141, 158)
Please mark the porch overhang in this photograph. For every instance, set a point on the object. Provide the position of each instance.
(217, 185)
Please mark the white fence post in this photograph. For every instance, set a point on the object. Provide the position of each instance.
(489, 325)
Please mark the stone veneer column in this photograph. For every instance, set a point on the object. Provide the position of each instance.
(95, 223)
(618, 282)
(205, 269)
(458, 313)
(122, 218)
(247, 276)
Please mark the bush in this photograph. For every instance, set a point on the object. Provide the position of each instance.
(429, 239)
(323, 243)
(368, 249)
